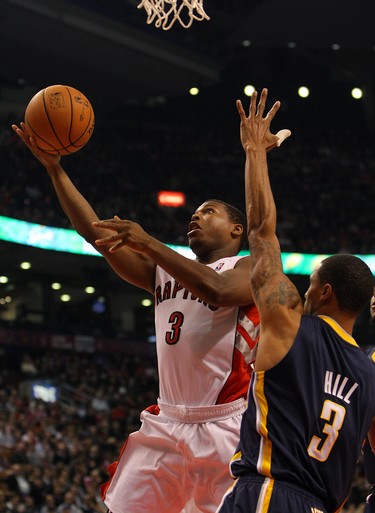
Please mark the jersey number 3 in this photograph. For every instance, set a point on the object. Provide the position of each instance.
(334, 413)
(176, 319)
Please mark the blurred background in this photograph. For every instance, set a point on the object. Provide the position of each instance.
(77, 344)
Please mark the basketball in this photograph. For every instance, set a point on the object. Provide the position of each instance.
(60, 119)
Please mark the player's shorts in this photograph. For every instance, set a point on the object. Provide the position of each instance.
(263, 495)
(177, 461)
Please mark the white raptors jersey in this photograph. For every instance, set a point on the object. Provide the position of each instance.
(204, 352)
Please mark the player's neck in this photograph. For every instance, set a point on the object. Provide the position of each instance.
(215, 255)
(344, 320)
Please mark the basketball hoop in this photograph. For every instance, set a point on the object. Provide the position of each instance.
(165, 12)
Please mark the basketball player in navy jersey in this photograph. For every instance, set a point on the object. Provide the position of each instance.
(312, 393)
(206, 332)
(368, 455)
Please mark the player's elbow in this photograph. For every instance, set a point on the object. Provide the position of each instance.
(263, 230)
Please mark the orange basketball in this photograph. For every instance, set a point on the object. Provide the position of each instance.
(60, 119)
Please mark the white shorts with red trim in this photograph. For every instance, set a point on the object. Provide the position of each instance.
(177, 458)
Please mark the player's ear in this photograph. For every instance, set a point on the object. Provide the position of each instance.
(237, 230)
(327, 291)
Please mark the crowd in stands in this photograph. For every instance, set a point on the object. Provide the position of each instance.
(54, 455)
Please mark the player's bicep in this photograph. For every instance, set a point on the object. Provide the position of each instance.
(277, 299)
(280, 309)
(235, 286)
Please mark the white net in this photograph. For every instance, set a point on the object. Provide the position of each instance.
(166, 12)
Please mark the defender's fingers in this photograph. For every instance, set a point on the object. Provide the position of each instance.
(253, 104)
(272, 112)
(262, 102)
(240, 109)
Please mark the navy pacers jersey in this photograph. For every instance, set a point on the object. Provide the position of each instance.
(307, 417)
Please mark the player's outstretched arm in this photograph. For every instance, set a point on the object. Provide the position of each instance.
(133, 267)
(275, 296)
(229, 288)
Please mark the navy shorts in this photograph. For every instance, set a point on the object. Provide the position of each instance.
(268, 496)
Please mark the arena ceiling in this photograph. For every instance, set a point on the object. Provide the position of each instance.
(106, 49)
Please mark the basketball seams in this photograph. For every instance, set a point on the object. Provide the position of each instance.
(73, 142)
(53, 151)
(50, 122)
(85, 129)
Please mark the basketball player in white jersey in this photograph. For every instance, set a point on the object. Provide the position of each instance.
(206, 330)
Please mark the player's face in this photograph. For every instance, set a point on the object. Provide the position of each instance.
(210, 226)
(312, 295)
(372, 308)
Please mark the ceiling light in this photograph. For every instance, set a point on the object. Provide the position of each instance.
(303, 92)
(248, 90)
(357, 93)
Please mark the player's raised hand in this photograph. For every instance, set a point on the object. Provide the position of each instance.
(45, 159)
(255, 128)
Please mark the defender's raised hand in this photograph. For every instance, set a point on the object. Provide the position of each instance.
(255, 128)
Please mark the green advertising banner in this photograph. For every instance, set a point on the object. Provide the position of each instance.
(60, 239)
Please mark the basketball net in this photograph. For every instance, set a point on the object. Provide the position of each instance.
(166, 12)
